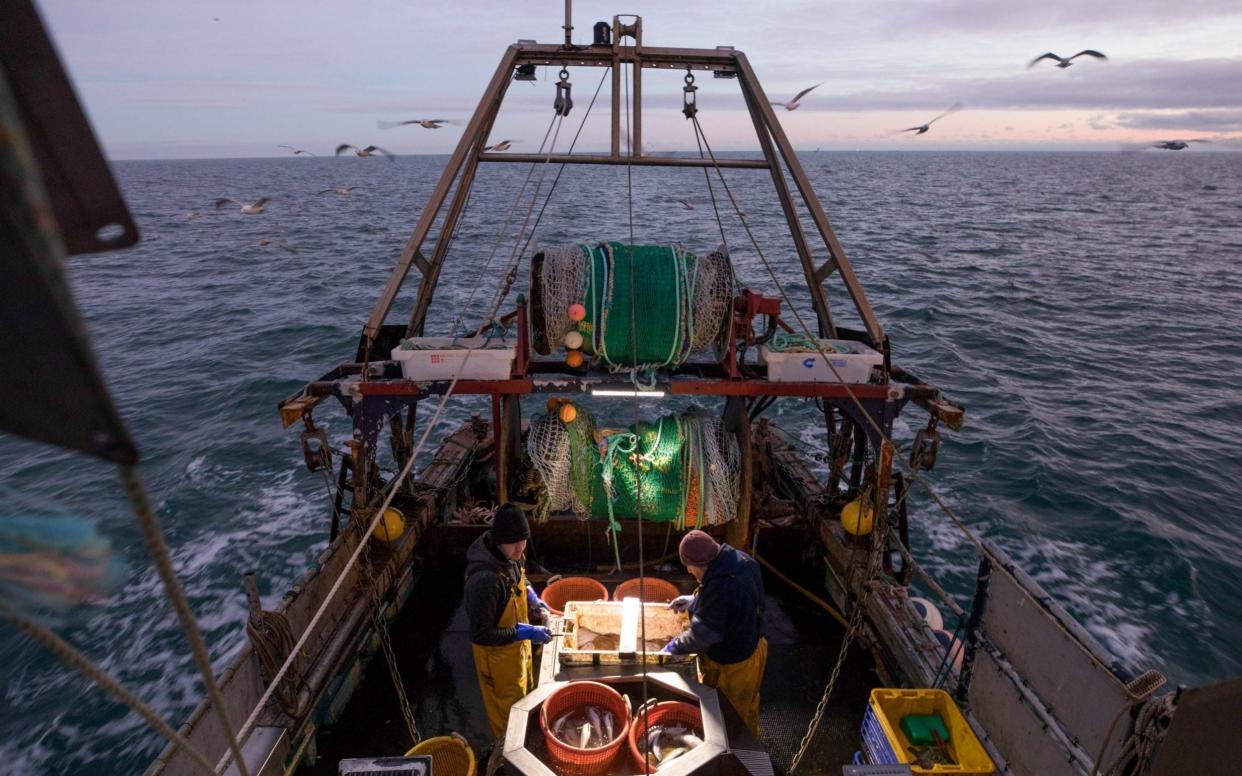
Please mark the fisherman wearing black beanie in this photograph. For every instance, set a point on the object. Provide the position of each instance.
(501, 606)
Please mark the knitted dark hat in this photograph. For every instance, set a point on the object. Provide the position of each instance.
(697, 549)
(509, 525)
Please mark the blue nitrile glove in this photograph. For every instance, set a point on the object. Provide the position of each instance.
(536, 634)
(533, 601)
(681, 603)
(669, 649)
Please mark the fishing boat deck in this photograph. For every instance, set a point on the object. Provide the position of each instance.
(431, 639)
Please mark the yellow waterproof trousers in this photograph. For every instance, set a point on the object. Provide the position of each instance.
(739, 682)
(505, 673)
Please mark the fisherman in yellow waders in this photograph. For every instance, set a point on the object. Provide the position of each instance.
(501, 606)
(726, 622)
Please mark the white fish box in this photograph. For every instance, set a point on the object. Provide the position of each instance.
(443, 358)
(852, 360)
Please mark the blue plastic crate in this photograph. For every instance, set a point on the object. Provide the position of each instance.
(876, 747)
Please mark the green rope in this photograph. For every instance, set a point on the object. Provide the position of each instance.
(783, 341)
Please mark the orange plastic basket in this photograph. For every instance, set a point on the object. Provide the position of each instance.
(573, 760)
(450, 755)
(664, 713)
(567, 589)
(658, 591)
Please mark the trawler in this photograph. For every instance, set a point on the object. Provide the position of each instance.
(630, 386)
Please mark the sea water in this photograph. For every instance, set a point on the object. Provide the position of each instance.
(1085, 308)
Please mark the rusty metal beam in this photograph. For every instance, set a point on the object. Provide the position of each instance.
(818, 300)
(621, 159)
(602, 56)
(825, 269)
(872, 324)
(487, 104)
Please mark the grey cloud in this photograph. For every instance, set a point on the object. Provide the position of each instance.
(1140, 85)
(1200, 121)
(1102, 15)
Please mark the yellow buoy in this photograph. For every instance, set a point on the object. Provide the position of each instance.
(391, 526)
(857, 519)
(574, 359)
(576, 312)
(568, 412)
(573, 340)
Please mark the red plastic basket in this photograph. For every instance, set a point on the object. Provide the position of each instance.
(567, 589)
(657, 591)
(573, 760)
(664, 713)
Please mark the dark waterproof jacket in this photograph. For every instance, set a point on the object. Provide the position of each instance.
(726, 617)
(490, 582)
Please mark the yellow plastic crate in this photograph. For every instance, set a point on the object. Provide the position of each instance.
(891, 705)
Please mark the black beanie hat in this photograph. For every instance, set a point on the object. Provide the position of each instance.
(509, 525)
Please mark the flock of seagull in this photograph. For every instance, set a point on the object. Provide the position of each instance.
(256, 207)
(1061, 62)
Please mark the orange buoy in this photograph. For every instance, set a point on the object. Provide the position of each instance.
(573, 340)
(574, 359)
(554, 402)
(576, 312)
(568, 412)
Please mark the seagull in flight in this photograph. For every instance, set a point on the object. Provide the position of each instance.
(265, 242)
(424, 123)
(503, 145)
(368, 151)
(297, 151)
(1175, 145)
(686, 204)
(1064, 62)
(344, 191)
(795, 102)
(248, 209)
(193, 215)
(920, 129)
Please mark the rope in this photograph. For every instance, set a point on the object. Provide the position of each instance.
(273, 640)
(807, 331)
(66, 653)
(638, 469)
(392, 488)
(154, 538)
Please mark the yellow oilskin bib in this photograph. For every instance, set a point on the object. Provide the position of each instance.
(739, 682)
(505, 673)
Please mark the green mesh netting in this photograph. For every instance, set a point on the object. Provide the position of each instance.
(656, 312)
(663, 497)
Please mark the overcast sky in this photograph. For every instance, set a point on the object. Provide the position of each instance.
(210, 79)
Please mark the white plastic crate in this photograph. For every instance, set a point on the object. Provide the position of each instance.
(442, 358)
(853, 361)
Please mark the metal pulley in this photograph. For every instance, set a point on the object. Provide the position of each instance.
(315, 446)
(690, 104)
(926, 446)
(564, 101)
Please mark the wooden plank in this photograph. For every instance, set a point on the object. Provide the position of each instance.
(825, 269)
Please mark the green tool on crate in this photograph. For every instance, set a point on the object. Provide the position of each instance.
(923, 729)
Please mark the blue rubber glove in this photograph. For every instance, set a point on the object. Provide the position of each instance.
(681, 603)
(536, 634)
(533, 601)
(669, 649)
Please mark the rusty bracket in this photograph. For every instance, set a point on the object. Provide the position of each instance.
(316, 449)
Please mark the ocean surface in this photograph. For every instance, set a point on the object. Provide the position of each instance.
(1086, 309)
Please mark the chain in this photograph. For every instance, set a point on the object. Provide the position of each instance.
(390, 656)
(855, 622)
